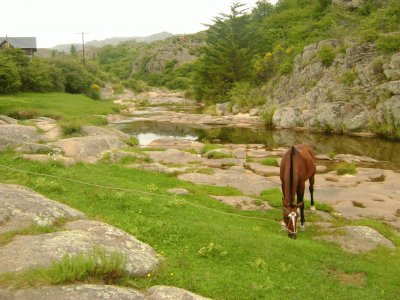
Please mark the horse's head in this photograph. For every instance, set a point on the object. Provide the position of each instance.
(290, 215)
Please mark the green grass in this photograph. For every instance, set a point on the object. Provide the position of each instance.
(70, 108)
(208, 147)
(343, 168)
(96, 266)
(208, 251)
(269, 161)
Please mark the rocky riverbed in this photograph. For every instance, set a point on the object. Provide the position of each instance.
(371, 193)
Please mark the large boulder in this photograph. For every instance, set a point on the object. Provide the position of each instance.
(80, 237)
(249, 184)
(21, 207)
(89, 148)
(357, 239)
(14, 135)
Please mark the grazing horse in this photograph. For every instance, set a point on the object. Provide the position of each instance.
(298, 165)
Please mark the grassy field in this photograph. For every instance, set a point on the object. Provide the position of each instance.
(209, 252)
(66, 107)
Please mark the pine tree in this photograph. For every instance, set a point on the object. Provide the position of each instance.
(226, 57)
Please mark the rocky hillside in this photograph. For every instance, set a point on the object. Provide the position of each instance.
(361, 88)
(154, 58)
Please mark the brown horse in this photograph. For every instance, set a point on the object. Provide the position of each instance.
(298, 165)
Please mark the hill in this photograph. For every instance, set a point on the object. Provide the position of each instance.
(114, 41)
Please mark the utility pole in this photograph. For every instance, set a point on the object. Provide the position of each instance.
(83, 45)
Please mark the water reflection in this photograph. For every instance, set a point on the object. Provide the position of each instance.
(379, 149)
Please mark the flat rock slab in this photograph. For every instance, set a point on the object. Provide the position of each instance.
(174, 156)
(249, 184)
(162, 292)
(262, 169)
(243, 202)
(81, 237)
(357, 239)
(89, 148)
(178, 191)
(15, 135)
(172, 143)
(221, 163)
(159, 168)
(20, 207)
(354, 158)
(99, 292)
(102, 131)
(8, 120)
(76, 291)
(258, 153)
(360, 196)
(66, 161)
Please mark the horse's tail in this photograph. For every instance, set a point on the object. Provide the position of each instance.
(292, 151)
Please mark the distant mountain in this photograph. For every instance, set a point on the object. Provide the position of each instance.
(115, 41)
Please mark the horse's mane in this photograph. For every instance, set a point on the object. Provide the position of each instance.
(292, 151)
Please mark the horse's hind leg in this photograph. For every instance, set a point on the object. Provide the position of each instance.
(312, 192)
(300, 200)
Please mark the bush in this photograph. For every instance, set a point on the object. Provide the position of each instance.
(10, 81)
(268, 116)
(348, 77)
(71, 127)
(93, 92)
(118, 88)
(137, 85)
(245, 96)
(132, 141)
(77, 78)
(42, 76)
(389, 43)
(208, 147)
(327, 55)
(342, 169)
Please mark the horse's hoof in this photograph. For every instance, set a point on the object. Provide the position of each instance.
(312, 207)
(302, 227)
(283, 223)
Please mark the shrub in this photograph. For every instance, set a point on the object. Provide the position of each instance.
(77, 78)
(93, 92)
(208, 147)
(71, 127)
(389, 43)
(369, 35)
(10, 81)
(245, 96)
(348, 77)
(216, 154)
(268, 116)
(137, 85)
(132, 141)
(42, 76)
(118, 88)
(342, 169)
(326, 55)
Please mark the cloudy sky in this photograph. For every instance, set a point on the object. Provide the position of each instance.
(55, 22)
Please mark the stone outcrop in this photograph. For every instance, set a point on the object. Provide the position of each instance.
(21, 207)
(357, 239)
(89, 148)
(249, 184)
(99, 292)
(12, 135)
(345, 97)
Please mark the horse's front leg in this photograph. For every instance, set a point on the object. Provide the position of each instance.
(300, 200)
(312, 192)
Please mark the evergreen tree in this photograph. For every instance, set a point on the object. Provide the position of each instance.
(226, 58)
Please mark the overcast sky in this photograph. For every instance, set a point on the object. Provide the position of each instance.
(55, 22)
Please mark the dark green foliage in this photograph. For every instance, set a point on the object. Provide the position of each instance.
(77, 78)
(42, 76)
(226, 58)
(10, 81)
(93, 92)
(326, 55)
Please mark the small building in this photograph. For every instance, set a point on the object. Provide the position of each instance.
(27, 44)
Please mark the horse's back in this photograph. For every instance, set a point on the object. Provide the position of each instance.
(308, 158)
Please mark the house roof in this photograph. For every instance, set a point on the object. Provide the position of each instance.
(20, 42)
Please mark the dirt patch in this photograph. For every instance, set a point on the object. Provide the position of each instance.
(355, 279)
